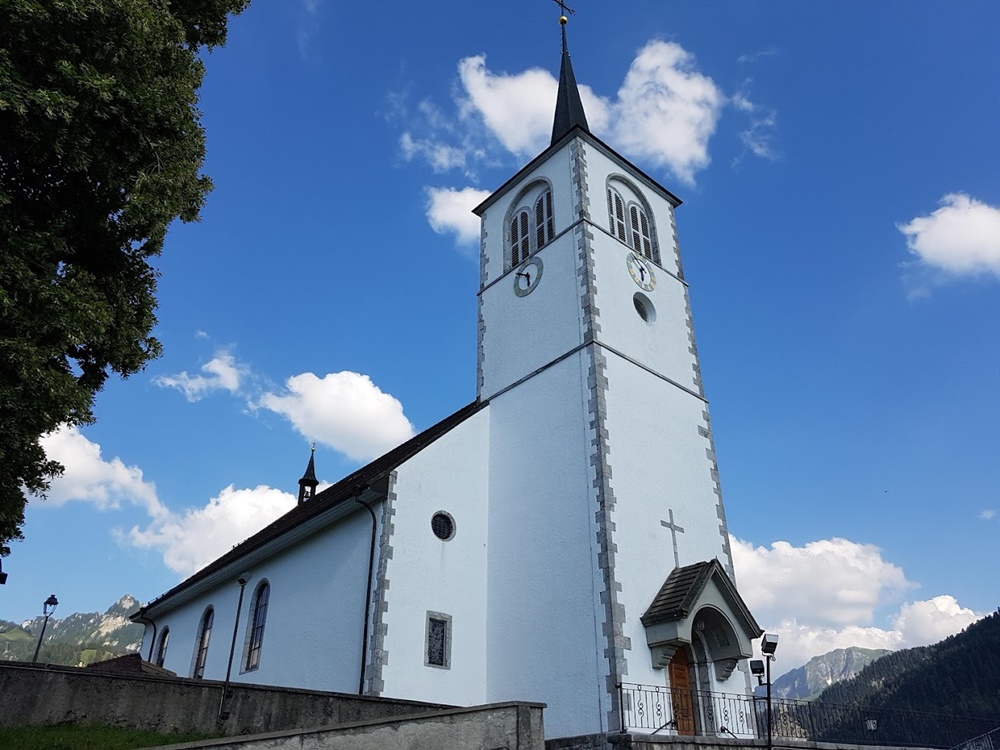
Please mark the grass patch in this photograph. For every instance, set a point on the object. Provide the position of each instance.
(74, 737)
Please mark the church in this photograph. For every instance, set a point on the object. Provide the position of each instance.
(561, 539)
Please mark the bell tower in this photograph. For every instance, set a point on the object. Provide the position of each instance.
(603, 476)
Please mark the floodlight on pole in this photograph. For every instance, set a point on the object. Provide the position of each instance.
(48, 608)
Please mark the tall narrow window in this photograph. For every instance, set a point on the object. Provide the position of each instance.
(616, 212)
(161, 647)
(201, 652)
(520, 239)
(544, 225)
(258, 616)
(438, 651)
(641, 240)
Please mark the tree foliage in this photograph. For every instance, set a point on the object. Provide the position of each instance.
(101, 148)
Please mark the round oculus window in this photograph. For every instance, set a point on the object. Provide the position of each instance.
(443, 526)
(644, 307)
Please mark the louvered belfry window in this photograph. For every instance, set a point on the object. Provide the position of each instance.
(641, 240)
(616, 211)
(544, 225)
(520, 239)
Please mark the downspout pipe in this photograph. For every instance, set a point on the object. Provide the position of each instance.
(242, 581)
(141, 616)
(368, 589)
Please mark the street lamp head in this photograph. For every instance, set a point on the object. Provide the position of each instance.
(50, 605)
(768, 644)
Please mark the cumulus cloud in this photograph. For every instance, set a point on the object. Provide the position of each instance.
(666, 110)
(89, 478)
(343, 410)
(222, 373)
(855, 579)
(664, 113)
(825, 594)
(189, 540)
(449, 210)
(961, 238)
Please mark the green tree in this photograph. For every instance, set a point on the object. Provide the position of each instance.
(101, 148)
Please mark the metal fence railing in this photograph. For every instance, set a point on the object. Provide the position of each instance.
(659, 710)
(988, 741)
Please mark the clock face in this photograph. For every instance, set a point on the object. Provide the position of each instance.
(527, 276)
(641, 272)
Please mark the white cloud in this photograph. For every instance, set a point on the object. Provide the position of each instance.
(222, 372)
(88, 477)
(758, 139)
(439, 155)
(516, 108)
(755, 56)
(961, 238)
(190, 540)
(855, 580)
(450, 210)
(666, 110)
(343, 410)
(987, 514)
(924, 622)
(824, 595)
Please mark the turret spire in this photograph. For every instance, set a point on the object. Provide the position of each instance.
(569, 107)
(308, 483)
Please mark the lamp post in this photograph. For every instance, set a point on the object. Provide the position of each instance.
(47, 611)
(762, 670)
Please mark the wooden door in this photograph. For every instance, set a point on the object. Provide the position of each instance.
(680, 691)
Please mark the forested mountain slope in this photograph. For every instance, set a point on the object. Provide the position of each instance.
(960, 675)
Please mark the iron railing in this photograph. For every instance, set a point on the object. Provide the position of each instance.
(659, 710)
(988, 741)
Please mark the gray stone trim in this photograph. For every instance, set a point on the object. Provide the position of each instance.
(675, 241)
(378, 656)
(581, 202)
(484, 260)
(705, 430)
(616, 642)
(693, 345)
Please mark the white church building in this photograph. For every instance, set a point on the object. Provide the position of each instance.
(559, 537)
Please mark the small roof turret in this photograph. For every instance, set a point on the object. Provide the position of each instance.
(308, 483)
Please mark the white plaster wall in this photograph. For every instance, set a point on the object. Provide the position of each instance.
(659, 462)
(312, 636)
(525, 333)
(557, 170)
(428, 574)
(662, 345)
(544, 640)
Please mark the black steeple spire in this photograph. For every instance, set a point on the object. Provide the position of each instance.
(308, 483)
(569, 107)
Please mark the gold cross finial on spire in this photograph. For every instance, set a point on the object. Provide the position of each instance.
(565, 10)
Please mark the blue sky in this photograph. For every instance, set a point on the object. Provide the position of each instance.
(840, 230)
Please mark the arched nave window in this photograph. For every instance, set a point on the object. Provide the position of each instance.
(201, 645)
(532, 225)
(258, 616)
(161, 647)
(629, 222)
